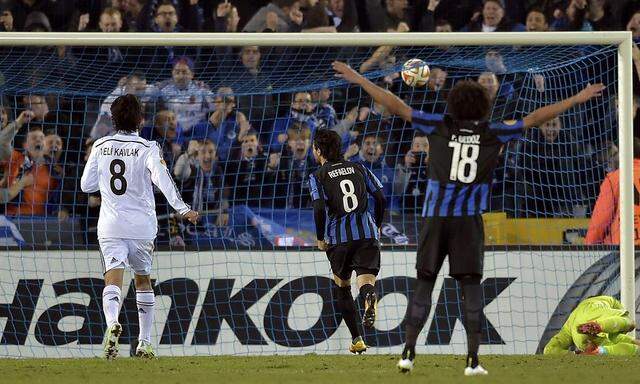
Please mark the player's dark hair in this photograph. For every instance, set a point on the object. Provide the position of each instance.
(468, 100)
(329, 144)
(126, 113)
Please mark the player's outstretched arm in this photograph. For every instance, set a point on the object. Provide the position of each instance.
(391, 102)
(616, 324)
(161, 177)
(549, 112)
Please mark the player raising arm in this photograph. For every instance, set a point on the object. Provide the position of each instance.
(463, 152)
(598, 326)
(124, 167)
(397, 106)
(345, 228)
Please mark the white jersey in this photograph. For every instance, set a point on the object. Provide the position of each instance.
(123, 167)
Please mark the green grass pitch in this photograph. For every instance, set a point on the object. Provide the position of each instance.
(319, 369)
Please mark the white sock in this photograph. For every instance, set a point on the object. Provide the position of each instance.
(111, 303)
(146, 300)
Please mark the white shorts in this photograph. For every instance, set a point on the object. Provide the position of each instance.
(120, 253)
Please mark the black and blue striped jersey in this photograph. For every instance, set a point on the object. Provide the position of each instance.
(463, 156)
(342, 190)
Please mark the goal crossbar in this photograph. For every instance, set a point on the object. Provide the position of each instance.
(312, 39)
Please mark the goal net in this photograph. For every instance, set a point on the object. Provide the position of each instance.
(234, 122)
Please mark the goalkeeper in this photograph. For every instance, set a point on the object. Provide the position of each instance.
(598, 326)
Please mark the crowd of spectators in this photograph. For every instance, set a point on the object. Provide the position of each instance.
(227, 148)
(317, 15)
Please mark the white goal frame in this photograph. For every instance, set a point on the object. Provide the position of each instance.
(623, 40)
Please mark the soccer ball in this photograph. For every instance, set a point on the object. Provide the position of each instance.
(415, 73)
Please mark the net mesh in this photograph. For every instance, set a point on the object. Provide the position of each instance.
(244, 281)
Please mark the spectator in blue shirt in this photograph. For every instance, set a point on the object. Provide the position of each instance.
(325, 113)
(226, 126)
(328, 119)
(291, 168)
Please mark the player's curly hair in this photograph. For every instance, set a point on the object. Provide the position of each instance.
(468, 100)
(329, 144)
(126, 113)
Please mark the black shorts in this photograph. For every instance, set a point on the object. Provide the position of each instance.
(362, 256)
(462, 238)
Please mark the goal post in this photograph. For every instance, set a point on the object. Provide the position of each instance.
(258, 265)
(625, 129)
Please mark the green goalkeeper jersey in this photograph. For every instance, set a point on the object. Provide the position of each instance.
(612, 317)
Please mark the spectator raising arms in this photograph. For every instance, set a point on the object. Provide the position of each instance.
(9, 130)
(200, 180)
(277, 16)
(34, 198)
(292, 169)
(225, 19)
(226, 126)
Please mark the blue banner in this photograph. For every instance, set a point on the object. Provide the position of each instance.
(263, 228)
